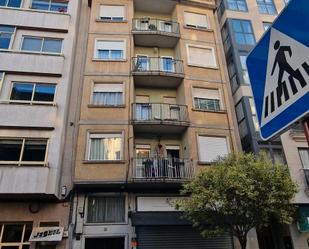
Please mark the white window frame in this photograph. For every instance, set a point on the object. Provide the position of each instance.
(15, 244)
(108, 83)
(49, 7)
(112, 194)
(88, 146)
(32, 102)
(221, 104)
(111, 17)
(43, 40)
(196, 27)
(110, 40)
(26, 163)
(190, 63)
(214, 136)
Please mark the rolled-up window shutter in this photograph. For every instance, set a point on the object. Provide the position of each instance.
(98, 87)
(111, 11)
(206, 93)
(202, 56)
(110, 45)
(196, 20)
(212, 147)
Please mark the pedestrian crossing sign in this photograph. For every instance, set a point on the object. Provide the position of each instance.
(278, 68)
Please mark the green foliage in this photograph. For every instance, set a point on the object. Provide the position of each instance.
(240, 192)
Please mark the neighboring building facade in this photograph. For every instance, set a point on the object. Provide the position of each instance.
(154, 108)
(37, 47)
(242, 24)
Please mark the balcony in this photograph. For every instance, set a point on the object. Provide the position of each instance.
(148, 32)
(157, 71)
(160, 118)
(162, 169)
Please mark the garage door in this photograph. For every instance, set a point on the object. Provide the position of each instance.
(178, 237)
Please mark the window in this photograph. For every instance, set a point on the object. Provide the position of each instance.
(266, 7)
(23, 151)
(242, 124)
(210, 148)
(254, 116)
(6, 33)
(243, 32)
(110, 50)
(105, 243)
(112, 13)
(15, 235)
(106, 209)
(206, 99)
(304, 157)
(266, 25)
(41, 44)
(239, 5)
(201, 56)
(107, 94)
(1, 79)
(244, 69)
(51, 5)
(226, 38)
(167, 64)
(105, 147)
(196, 20)
(32, 92)
(10, 3)
(232, 73)
(273, 152)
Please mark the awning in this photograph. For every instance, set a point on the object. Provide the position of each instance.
(46, 234)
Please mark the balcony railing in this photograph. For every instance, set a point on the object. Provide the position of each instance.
(143, 64)
(155, 25)
(155, 168)
(159, 112)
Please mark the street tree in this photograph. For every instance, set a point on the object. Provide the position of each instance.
(238, 193)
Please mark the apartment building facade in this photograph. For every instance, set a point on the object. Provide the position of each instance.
(242, 24)
(37, 47)
(153, 108)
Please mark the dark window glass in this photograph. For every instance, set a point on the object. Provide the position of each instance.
(14, 3)
(26, 247)
(5, 36)
(28, 231)
(12, 233)
(59, 6)
(10, 150)
(22, 91)
(239, 5)
(104, 243)
(34, 150)
(32, 44)
(52, 45)
(2, 2)
(40, 4)
(44, 92)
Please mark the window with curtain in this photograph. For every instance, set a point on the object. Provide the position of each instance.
(106, 209)
(210, 148)
(109, 50)
(243, 32)
(206, 99)
(238, 5)
(266, 7)
(112, 12)
(304, 157)
(105, 147)
(107, 94)
(196, 20)
(201, 56)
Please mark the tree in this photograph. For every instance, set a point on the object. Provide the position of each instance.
(238, 193)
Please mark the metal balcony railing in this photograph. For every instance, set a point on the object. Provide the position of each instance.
(156, 168)
(160, 112)
(155, 25)
(157, 64)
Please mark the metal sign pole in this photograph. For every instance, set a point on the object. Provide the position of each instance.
(306, 128)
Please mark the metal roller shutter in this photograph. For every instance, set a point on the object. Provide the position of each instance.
(178, 237)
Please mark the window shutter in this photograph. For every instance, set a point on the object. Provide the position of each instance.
(97, 135)
(206, 93)
(98, 87)
(110, 45)
(169, 100)
(111, 11)
(142, 99)
(202, 56)
(196, 20)
(212, 147)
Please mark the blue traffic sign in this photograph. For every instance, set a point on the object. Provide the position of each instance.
(278, 68)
